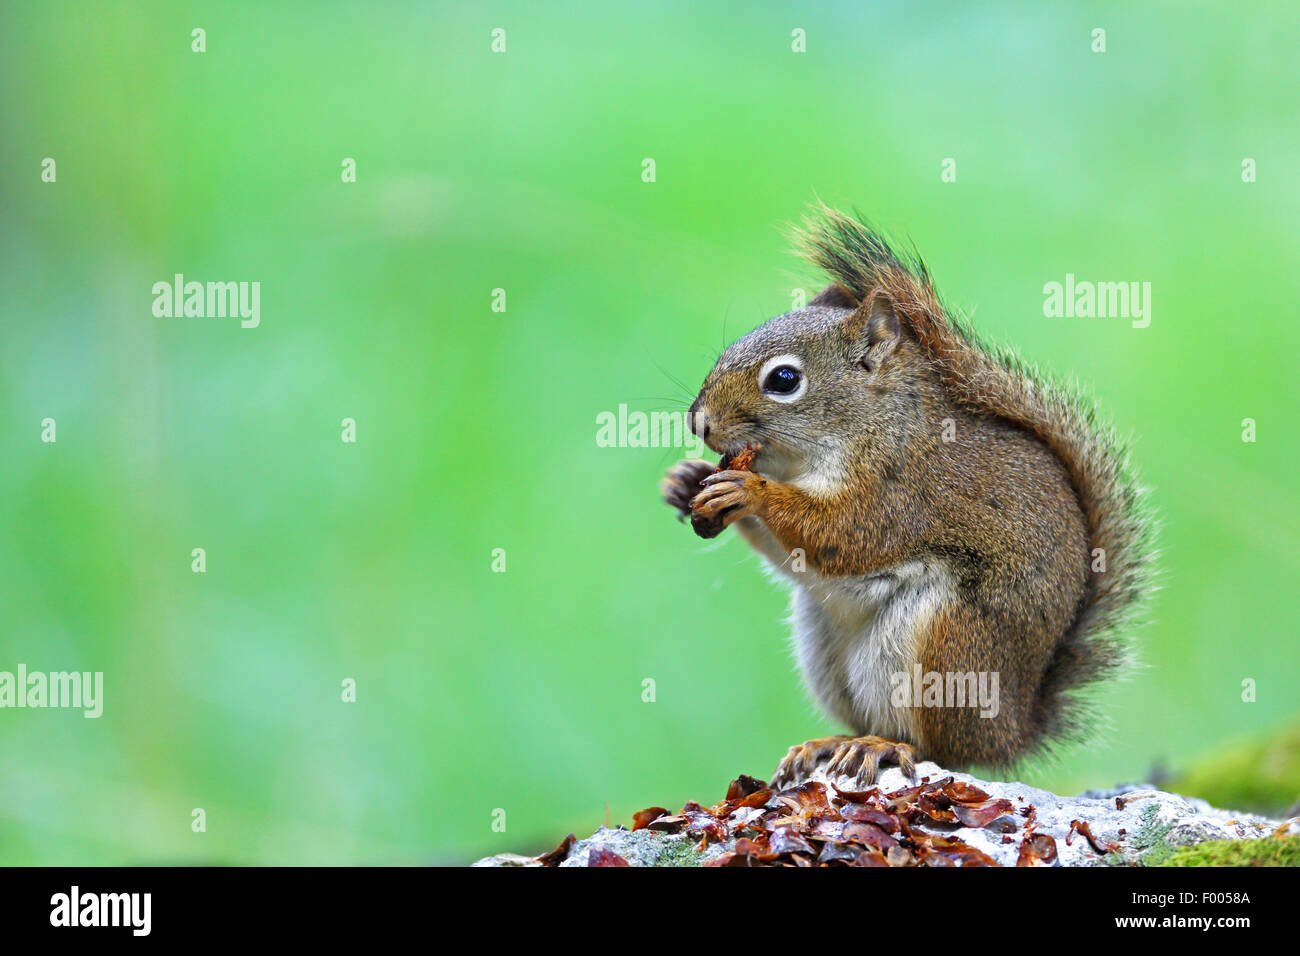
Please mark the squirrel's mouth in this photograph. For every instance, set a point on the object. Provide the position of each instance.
(727, 446)
(770, 457)
(726, 438)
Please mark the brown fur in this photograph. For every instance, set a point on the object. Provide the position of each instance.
(1012, 507)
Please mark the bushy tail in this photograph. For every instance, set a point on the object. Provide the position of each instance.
(996, 381)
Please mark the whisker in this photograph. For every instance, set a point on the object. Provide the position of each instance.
(765, 429)
(676, 382)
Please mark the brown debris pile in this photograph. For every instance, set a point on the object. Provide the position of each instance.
(806, 826)
(813, 825)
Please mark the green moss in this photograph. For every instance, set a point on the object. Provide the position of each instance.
(1147, 846)
(676, 851)
(1260, 774)
(1270, 851)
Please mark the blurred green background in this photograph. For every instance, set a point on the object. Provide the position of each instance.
(476, 429)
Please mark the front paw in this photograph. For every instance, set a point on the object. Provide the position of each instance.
(803, 758)
(857, 757)
(727, 497)
(683, 483)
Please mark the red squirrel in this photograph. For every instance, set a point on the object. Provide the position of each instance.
(950, 520)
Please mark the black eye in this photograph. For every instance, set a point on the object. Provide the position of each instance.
(782, 380)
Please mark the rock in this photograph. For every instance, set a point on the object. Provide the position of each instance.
(640, 848)
(1143, 824)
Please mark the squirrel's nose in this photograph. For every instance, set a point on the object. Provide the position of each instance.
(697, 419)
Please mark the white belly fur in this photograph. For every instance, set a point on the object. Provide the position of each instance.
(852, 635)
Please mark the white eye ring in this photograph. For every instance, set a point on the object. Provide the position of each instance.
(776, 362)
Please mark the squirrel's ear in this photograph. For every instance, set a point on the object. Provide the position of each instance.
(835, 296)
(881, 331)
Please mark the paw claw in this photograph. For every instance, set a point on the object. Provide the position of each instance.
(728, 496)
(856, 757)
(800, 759)
(683, 483)
(736, 476)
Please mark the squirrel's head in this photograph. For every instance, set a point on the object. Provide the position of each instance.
(809, 385)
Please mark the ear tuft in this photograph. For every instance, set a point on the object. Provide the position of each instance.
(835, 296)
